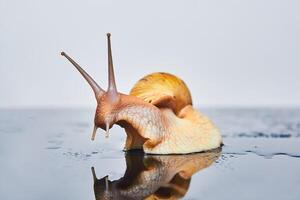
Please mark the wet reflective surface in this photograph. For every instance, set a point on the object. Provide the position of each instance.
(48, 154)
(154, 176)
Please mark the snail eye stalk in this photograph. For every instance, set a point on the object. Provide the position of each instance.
(96, 88)
(112, 88)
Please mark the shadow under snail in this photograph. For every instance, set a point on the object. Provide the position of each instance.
(157, 115)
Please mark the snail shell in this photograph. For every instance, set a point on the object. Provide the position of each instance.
(163, 90)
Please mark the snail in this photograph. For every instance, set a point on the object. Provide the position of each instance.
(157, 115)
(154, 176)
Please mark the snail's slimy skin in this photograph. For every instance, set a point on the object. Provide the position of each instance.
(159, 130)
(187, 133)
(157, 116)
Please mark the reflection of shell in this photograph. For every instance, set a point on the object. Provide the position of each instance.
(163, 90)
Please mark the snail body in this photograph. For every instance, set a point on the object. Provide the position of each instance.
(157, 115)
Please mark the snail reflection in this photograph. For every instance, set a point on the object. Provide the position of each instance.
(154, 176)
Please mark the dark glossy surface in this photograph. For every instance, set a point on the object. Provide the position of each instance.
(48, 154)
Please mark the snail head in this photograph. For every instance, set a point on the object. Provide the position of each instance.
(107, 101)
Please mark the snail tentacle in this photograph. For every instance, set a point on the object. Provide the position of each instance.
(112, 87)
(96, 88)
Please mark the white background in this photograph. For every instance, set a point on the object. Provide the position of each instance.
(230, 53)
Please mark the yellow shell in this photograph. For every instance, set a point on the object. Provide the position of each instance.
(163, 90)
